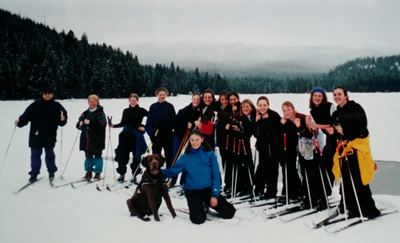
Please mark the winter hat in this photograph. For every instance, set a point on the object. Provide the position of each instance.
(317, 90)
(47, 90)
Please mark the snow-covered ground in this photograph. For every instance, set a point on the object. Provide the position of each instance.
(44, 214)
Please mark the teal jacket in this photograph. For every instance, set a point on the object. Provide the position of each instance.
(202, 170)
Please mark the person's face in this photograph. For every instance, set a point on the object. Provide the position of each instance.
(47, 96)
(92, 103)
(162, 95)
(233, 100)
(246, 108)
(195, 101)
(288, 112)
(196, 141)
(133, 101)
(207, 99)
(262, 106)
(339, 97)
(317, 98)
(224, 101)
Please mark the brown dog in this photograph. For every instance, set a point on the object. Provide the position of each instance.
(147, 197)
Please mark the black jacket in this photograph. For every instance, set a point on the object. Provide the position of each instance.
(44, 117)
(269, 134)
(184, 116)
(132, 117)
(93, 135)
(353, 120)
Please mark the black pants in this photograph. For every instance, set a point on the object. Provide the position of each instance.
(198, 199)
(294, 184)
(314, 191)
(367, 203)
(164, 140)
(267, 174)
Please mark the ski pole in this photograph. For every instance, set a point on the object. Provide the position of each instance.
(8, 147)
(179, 152)
(316, 144)
(61, 141)
(72, 149)
(352, 181)
(286, 179)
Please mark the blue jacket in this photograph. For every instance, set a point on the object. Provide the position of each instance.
(202, 170)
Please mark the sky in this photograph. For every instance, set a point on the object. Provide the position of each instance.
(350, 23)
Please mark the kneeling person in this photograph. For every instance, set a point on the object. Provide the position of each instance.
(203, 181)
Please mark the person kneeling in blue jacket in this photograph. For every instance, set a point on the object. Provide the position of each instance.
(203, 181)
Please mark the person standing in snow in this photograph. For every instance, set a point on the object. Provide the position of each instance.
(223, 117)
(294, 126)
(318, 121)
(159, 125)
(92, 124)
(232, 142)
(182, 124)
(353, 160)
(268, 132)
(203, 181)
(207, 117)
(45, 115)
(131, 139)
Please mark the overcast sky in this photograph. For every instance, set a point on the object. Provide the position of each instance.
(351, 23)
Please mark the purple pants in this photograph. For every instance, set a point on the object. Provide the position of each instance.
(36, 161)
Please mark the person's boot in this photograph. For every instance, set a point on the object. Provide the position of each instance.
(33, 179)
(51, 176)
(121, 178)
(96, 176)
(88, 175)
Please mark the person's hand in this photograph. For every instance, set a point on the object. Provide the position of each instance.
(297, 122)
(339, 129)
(87, 121)
(16, 122)
(258, 117)
(80, 123)
(213, 202)
(235, 128)
(227, 126)
(198, 124)
(330, 130)
(189, 125)
(141, 129)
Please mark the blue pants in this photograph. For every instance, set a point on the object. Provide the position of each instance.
(36, 161)
(94, 164)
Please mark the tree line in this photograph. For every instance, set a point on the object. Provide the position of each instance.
(33, 56)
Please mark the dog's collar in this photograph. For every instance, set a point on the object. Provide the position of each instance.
(149, 180)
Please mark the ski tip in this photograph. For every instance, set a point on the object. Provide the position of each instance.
(98, 188)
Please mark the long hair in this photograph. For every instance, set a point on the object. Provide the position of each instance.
(324, 97)
(202, 104)
(206, 146)
(250, 103)
(289, 104)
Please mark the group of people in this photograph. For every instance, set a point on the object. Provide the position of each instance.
(312, 150)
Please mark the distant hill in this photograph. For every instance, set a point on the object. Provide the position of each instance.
(252, 60)
(33, 56)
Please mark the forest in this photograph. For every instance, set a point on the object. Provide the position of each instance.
(33, 56)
